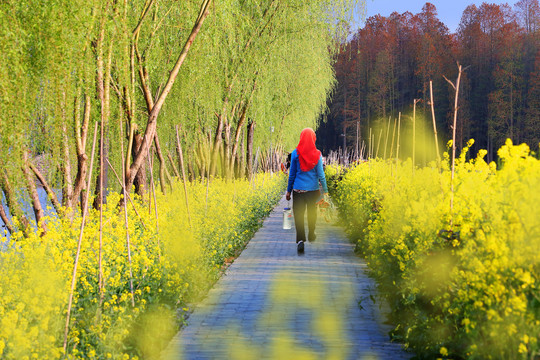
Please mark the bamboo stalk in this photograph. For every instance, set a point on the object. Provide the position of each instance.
(393, 136)
(379, 143)
(128, 242)
(100, 262)
(155, 205)
(150, 193)
(369, 145)
(434, 123)
(74, 276)
(181, 155)
(387, 133)
(456, 88)
(414, 135)
(397, 142)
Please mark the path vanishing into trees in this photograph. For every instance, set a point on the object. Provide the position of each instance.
(273, 303)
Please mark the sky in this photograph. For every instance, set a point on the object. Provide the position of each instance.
(449, 11)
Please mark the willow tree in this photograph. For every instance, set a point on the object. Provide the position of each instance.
(125, 65)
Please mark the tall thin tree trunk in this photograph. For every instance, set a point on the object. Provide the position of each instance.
(81, 133)
(184, 180)
(54, 200)
(140, 178)
(434, 123)
(456, 88)
(173, 166)
(67, 189)
(162, 166)
(77, 254)
(12, 203)
(34, 197)
(3, 216)
(152, 119)
(249, 150)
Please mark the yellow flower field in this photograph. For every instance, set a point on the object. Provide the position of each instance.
(462, 279)
(173, 264)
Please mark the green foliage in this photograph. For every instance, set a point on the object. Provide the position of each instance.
(270, 56)
(462, 282)
(171, 268)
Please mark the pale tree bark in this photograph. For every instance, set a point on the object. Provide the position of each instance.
(12, 203)
(7, 223)
(140, 179)
(67, 189)
(145, 84)
(34, 197)
(176, 173)
(238, 132)
(81, 133)
(103, 90)
(164, 175)
(152, 118)
(249, 150)
(54, 200)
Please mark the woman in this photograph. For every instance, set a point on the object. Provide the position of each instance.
(304, 176)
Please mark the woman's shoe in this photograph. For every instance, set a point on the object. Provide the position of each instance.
(300, 247)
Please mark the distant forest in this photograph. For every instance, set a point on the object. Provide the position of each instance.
(389, 63)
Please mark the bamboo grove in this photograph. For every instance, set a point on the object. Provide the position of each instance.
(206, 85)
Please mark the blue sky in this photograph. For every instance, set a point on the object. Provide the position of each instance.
(449, 10)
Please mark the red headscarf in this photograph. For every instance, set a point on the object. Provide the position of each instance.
(307, 152)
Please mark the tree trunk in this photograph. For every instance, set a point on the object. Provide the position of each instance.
(12, 203)
(67, 189)
(162, 166)
(48, 189)
(3, 216)
(81, 133)
(152, 119)
(242, 163)
(191, 173)
(176, 173)
(34, 197)
(249, 151)
(239, 128)
(140, 177)
(103, 91)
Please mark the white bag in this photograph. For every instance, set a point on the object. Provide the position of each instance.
(287, 218)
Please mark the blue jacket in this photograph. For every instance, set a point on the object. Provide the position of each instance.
(305, 180)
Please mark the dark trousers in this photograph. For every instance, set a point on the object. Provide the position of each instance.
(301, 201)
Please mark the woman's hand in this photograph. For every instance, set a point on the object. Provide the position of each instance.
(288, 196)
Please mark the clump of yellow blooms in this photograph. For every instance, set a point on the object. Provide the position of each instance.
(463, 280)
(174, 262)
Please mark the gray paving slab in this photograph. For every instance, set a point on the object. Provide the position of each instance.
(273, 303)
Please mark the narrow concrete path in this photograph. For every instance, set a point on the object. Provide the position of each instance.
(273, 303)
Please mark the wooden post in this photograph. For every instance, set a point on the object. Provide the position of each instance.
(456, 88)
(81, 232)
(393, 136)
(379, 143)
(397, 142)
(414, 135)
(181, 156)
(434, 123)
(387, 133)
(126, 221)
(369, 145)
